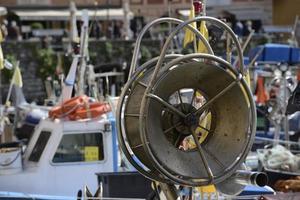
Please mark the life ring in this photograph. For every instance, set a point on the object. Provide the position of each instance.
(92, 110)
(79, 108)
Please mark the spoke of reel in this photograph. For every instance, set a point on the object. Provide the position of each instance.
(178, 140)
(142, 84)
(169, 106)
(207, 104)
(214, 157)
(131, 115)
(202, 127)
(171, 128)
(201, 153)
(193, 97)
(138, 146)
(180, 99)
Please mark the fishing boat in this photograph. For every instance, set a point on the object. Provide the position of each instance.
(61, 157)
(63, 154)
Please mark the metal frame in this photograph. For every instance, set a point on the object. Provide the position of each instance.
(251, 135)
(162, 174)
(136, 50)
(121, 106)
(133, 74)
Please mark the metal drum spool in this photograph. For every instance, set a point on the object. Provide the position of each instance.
(163, 106)
(134, 92)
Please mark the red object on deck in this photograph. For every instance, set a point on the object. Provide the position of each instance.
(198, 7)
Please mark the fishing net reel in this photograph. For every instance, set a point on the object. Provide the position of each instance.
(186, 119)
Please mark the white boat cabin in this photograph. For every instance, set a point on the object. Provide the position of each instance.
(61, 157)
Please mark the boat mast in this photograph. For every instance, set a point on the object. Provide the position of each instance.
(84, 37)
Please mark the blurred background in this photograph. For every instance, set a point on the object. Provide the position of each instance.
(43, 27)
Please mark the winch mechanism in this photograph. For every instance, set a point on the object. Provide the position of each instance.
(189, 119)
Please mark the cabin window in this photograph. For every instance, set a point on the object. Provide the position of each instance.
(39, 146)
(83, 147)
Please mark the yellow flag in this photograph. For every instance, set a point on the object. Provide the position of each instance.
(204, 32)
(189, 35)
(1, 37)
(247, 78)
(1, 53)
(17, 78)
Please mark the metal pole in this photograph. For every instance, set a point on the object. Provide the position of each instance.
(294, 31)
(276, 133)
(1, 87)
(286, 121)
(170, 25)
(107, 19)
(126, 19)
(11, 84)
(169, 191)
(204, 7)
(83, 52)
(228, 48)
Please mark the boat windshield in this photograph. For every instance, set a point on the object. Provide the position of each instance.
(39, 146)
(80, 147)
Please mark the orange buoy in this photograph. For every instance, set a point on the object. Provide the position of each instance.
(79, 108)
(261, 94)
(92, 110)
